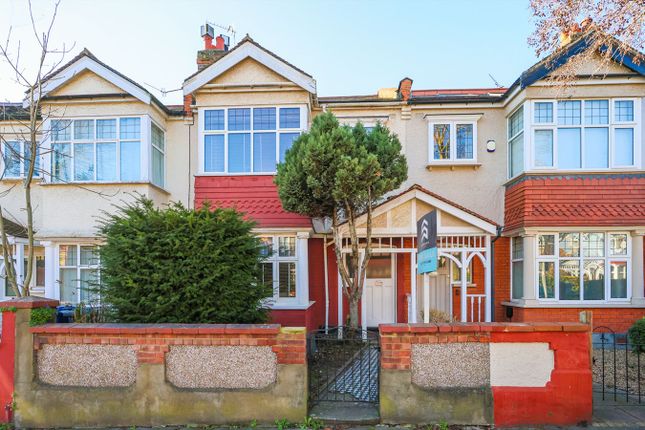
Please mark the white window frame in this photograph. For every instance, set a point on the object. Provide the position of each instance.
(608, 258)
(144, 148)
(163, 153)
(452, 121)
(611, 126)
(509, 139)
(38, 173)
(516, 260)
(275, 259)
(225, 132)
(78, 268)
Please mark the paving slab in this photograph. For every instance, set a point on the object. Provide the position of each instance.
(352, 413)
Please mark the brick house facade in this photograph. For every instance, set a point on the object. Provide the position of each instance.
(540, 197)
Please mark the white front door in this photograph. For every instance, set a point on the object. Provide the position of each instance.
(379, 290)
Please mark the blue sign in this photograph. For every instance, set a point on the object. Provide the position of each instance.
(427, 243)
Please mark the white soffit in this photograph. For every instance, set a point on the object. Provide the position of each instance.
(87, 63)
(249, 50)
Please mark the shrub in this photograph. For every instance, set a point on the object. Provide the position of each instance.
(178, 265)
(636, 335)
(40, 316)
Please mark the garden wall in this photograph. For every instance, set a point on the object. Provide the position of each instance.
(109, 375)
(490, 373)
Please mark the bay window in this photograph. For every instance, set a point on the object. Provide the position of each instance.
(592, 134)
(157, 148)
(16, 158)
(517, 268)
(248, 140)
(107, 150)
(279, 268)
(583, 266)
(452, 140)
(516, 142)
(78, 273)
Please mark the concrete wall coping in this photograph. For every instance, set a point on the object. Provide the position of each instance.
(29, 302)
(386, 329)
(132, 329)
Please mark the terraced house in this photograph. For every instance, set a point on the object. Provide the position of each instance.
(540, 193)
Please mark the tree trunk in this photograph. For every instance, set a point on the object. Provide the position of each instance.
(354, 318)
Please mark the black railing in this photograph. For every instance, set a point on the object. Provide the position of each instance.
(343, 366)
(618, 366)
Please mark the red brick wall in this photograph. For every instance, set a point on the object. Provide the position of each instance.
(255, 195)
(502, 276)
(577, 200)
(153, 341)
(616, 319)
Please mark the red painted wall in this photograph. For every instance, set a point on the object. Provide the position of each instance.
(616, 319)
(575, 200)
(502, 275)
(7, 361)
(255, 195)
(566, 399)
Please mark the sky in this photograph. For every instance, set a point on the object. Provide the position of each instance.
(350, 47)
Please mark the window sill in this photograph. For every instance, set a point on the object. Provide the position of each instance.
(94, 183)
(291, 307)
(577, 305)
(556, 172)
(453, 166)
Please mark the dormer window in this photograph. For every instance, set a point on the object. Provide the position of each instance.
(248, 140)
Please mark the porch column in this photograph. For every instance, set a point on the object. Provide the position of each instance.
(363, 296)
(638, 289)
(50, 270)
(426, 298)
(528, 280)
(340, 300)
(464, 288)
(302, 249)
(20, 263)
(413, 285)
(487, 283)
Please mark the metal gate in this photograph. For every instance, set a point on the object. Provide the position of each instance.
(618, 366)
(343, 366)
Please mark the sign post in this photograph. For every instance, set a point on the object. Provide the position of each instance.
(427, 255)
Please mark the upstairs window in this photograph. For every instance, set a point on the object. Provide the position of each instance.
(248, 140)
(158, 149)
(584, 134)
(96, 150)
(452, 141)
(16, 160)
(516, 142)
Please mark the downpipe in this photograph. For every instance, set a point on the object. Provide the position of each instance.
(492, 272)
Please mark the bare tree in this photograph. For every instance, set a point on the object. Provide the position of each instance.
(611, 31)
(29, 130)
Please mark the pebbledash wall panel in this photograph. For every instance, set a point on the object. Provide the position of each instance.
(255, 195)
(484, 374)
(118, 375)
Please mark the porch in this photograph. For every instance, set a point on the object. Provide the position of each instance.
(460, 290)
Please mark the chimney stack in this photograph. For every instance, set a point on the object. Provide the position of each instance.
(211, 52)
